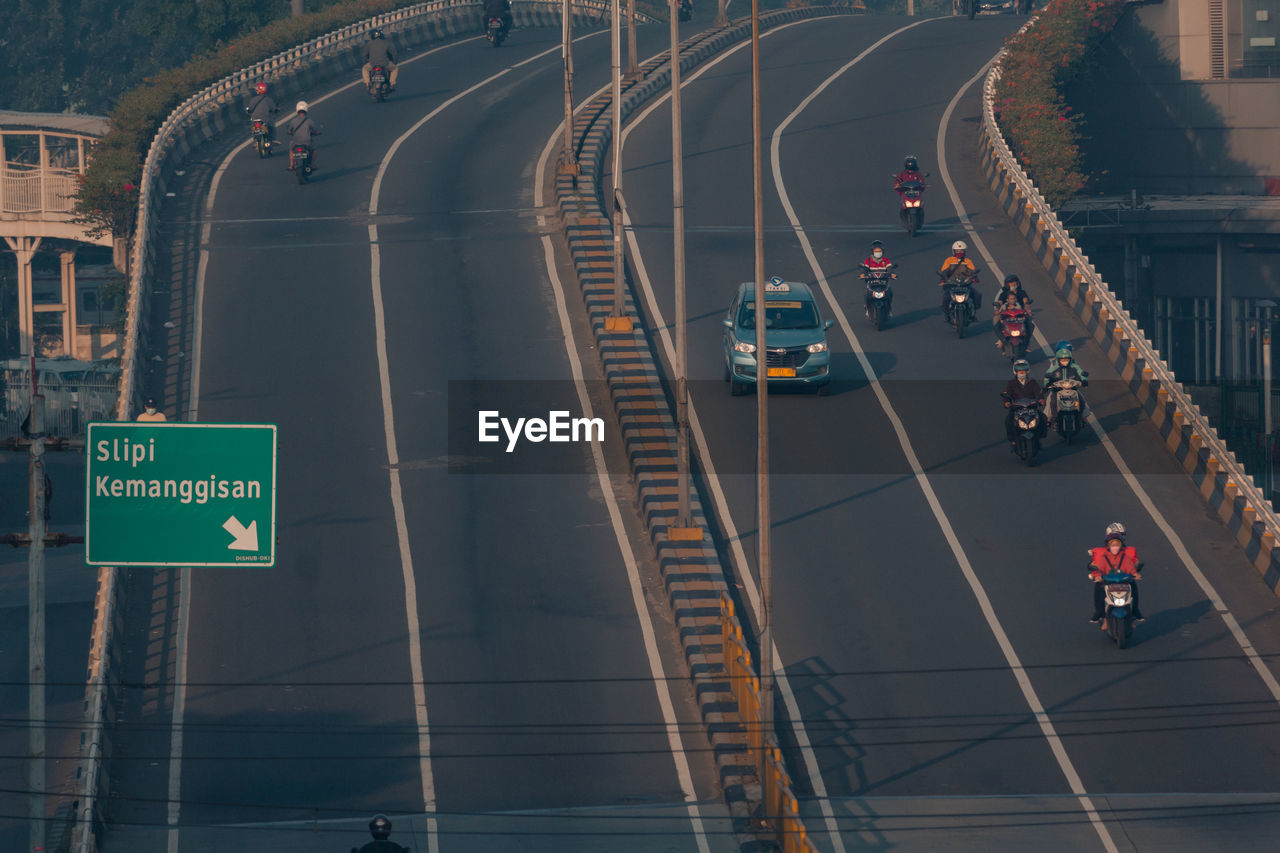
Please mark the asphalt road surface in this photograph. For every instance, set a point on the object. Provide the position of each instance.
(924, 612)
(539, 713)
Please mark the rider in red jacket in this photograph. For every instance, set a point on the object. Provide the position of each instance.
(910, 172)
(877, 260)
(1114, 557)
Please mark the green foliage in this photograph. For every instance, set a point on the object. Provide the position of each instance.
(1040, 127)
(107, 200)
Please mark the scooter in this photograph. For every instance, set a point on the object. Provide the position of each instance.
(1013, 329)
(1026, 423)
(1117, 594)
(880, 306)
(911, 205)
(1068, 404)
(496, 31)
(379, 83)
(959, 310)
(300, 162)
(260, 137)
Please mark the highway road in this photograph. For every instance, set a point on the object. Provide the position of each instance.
(942, 686)
(361, 313)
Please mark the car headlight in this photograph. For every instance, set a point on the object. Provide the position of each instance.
(743, 346)
(820, 346)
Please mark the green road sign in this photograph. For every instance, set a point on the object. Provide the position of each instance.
(161, 494)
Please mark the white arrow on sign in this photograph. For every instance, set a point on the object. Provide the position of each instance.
(246, 538)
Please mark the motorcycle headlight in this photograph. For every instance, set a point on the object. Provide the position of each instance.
(961, 297)
(820, 346)
(743, 346)
(879, 294)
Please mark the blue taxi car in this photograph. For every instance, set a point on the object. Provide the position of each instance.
(795, 337)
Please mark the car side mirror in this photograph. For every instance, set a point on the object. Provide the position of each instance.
(727, 323)
(828, 324)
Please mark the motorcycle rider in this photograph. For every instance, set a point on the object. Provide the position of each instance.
(1063, 366)
(958, 266)
(380, 829)
(1112, 557)
(498, 9)
(877, 260)
(1012, 287)
(261, 107)
(302, 131)
(910, 172)
(1020, 387)
(379, 52)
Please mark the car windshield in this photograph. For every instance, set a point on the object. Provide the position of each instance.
(780, 315)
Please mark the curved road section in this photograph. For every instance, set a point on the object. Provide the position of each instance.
(941, 686)
(461, 642)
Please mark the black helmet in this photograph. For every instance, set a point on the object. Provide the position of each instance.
(1012, 279)
(876, 244)
(380, 827)
(910, 164)
(376, 34)
(149, 403)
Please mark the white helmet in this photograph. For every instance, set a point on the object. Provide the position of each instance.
(958, 246)
(301, 106)
(1115, 530)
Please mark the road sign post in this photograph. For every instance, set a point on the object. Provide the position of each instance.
(161, 494)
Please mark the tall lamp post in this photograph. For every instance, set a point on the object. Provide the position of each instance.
(762, 406)
(569, 163)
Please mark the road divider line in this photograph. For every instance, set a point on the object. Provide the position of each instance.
(1171, 535)
(657, 671)
(1021, 676)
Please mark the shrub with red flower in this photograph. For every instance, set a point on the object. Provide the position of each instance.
(1034, 118)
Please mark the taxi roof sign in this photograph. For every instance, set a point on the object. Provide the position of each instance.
(777, 285)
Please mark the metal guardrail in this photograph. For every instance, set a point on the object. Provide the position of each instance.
(1169, 384)
(90, 777)
(781, 808)
(35, 191)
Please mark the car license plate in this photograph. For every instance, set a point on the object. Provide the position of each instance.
(782, 371)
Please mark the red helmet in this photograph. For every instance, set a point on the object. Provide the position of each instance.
(262, 88)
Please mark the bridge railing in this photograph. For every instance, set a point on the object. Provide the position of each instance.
(192, 121)
(36, 191)
(1203, 453)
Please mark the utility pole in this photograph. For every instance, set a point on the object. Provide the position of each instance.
(569, 163)
(632, 69)
(618, 322)
(295, 8)
(762, 408)
(722, 18)
(35, 620)
(685, 520)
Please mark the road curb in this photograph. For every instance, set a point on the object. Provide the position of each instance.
(1229, 492)
(692, 574)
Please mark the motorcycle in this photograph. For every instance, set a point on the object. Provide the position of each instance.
(1013, 329)
(1117, 594)
(261, 137)
(496, 31)
(959, 310)
(1026, 423)
(379, 83)
(1068, 403)
(685, 12)
(300, 162)
(880, 308)
(911, 205)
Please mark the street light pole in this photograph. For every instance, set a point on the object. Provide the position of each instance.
(762, 405)
(722, 18)
(677, 219)
(569, 163)
(632, 70)
(616, 73)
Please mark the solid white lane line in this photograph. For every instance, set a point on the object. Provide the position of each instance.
(738, 556)
(184, 596)
(1255, 660)
(393, 455)
(944, 523)
(656, 668)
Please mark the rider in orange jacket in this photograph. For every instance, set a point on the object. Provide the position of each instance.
(1114, 557)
